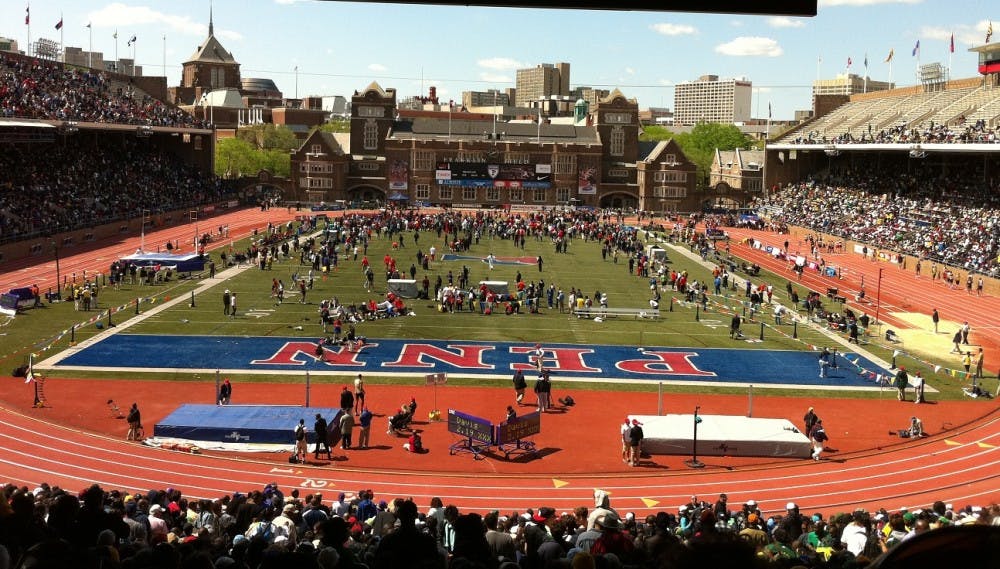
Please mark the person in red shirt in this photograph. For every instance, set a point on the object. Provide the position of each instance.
(612, 539)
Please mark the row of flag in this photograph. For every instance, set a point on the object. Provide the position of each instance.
(59, 25)
(916, 47)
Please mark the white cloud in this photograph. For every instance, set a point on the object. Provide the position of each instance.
(743, 46)
(496, 78)
(629, 71)
(785, 22)
(669, 29)
(969, 34)
(376, 67)
(122, 17)
(736, 23)
(828, 3)
(499, 63)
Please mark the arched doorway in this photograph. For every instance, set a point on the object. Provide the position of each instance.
(619, 200)
(366, 197)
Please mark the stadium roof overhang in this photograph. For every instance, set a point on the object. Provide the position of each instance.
(26, 124)
(962, 148)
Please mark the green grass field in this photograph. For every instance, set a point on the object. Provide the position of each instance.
(582, 268)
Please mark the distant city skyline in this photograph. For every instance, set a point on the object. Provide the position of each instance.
(336, 48)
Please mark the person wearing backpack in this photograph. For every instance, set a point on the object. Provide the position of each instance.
(261, 529)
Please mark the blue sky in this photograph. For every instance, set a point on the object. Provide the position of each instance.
(340, 47)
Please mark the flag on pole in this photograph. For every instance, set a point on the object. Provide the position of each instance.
(769, 111)
(87, 26)
(952, 49)
(59, 24)
(889, 57)
(131, 41)
(989, 31)
(115, 35)
(916, 49)
(848, 62)
(27, 16)
(866, 61)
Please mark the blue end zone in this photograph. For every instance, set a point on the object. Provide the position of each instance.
(389, 356)
(257, 424)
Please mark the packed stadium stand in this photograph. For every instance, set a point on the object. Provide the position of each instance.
(92, 177)
(71, 158)
(914, 171)
(53, 527)
(37, 89)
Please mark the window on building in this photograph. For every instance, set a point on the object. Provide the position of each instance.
(516, 158)
(562, 195)
(516, 195)
(422, 192)
(492, 194)
(469, 194)
(565, 164)
(423, 160)
(669, 176)
(372, 112)
(617, 147)
(539, 195)
(670, 159)
(370, 135)
(618, 173)
(469, 156)
(315, 149)
(445, 193)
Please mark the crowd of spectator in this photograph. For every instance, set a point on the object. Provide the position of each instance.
(931, 133)
(52, 527)
(88, 179)
(38, 89)
(949, 218)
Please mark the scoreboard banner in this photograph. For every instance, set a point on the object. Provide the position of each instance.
(487, 175)
(470, 426)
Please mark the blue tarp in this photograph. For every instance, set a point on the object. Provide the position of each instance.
(250, 424)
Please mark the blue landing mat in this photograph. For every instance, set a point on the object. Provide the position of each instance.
(248, 424)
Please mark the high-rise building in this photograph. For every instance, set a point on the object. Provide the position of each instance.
(712, 100)
(848, 84)
(490, 98)
(540, 82)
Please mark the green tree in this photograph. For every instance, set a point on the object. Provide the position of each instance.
(255, 148)
(269, 137)
(235, 157)
(700, 144)
(335, 125)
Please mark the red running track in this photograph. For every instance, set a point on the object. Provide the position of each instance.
(901, 291)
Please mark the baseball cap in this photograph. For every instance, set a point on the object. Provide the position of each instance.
(790, 506)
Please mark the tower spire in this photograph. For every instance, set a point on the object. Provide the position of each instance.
(211, 28)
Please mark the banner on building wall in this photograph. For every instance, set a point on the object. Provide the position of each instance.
(587, 183)
(399, 175)
(487, 175)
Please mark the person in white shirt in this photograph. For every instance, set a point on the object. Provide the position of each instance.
(855, 534)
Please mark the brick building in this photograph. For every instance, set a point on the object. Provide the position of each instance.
(596, 160)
